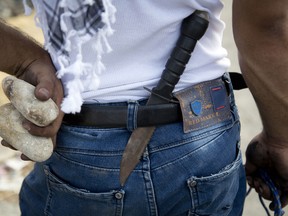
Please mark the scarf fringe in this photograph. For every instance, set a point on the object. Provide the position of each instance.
(27, 8)
(83, 74)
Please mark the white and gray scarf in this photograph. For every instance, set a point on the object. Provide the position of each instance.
(69, 24)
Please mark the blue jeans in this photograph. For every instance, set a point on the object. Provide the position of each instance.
(197, 173)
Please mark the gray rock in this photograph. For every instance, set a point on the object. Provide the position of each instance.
(25, 105)
(21, 95)
(11, 130)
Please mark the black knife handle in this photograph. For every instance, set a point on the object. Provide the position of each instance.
(192, 29)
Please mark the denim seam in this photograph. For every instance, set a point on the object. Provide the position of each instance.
(76, 129)
(91, 167)
(226, 171)
(194, 197)
(88, 152)
(193, 138)
(185, 156)
(149, 184)
(49, 197)
(120, 204)
(74, 163)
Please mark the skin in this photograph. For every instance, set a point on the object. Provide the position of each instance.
(27, 60)
(261, 35)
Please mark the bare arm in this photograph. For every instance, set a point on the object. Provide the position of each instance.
(261, 35)
(21, 56)
(18, 50)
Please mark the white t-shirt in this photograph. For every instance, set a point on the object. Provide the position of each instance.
(145, 33)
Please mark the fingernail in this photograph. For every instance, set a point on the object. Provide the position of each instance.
(44, 92)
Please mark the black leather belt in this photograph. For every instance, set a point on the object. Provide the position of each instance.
(147, 115)
(116, 116)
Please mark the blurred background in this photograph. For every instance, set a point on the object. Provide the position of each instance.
(13, 170)
(10, 8)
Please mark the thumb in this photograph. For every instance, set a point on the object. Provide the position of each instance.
(44, 89)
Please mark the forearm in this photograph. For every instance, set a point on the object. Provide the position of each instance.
(18, 51)
(261, 35)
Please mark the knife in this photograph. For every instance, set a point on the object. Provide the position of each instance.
(192, 29)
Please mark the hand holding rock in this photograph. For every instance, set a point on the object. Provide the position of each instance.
(21, 95)
(25, 105)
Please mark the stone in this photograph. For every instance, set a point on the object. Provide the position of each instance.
(21, 95)
(23, 104)
(11, 130)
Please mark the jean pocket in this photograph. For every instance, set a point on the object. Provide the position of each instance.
(64, 199)
(215, 194)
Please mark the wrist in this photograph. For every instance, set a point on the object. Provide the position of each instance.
(20, 50)
(275, 149)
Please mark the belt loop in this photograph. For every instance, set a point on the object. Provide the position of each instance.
(132, 115)
(227, 80)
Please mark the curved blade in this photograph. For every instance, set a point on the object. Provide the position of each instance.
(134, 150)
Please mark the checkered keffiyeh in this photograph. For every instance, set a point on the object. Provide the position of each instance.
(67, 26)
(83, 19)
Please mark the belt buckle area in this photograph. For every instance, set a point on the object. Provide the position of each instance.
(204, 105)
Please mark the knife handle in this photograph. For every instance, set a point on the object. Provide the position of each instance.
(192, 29)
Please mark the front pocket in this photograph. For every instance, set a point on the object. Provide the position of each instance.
(64, 199)
(214, 195)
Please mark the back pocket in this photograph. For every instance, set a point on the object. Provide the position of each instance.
(65, 199)
(214, 195)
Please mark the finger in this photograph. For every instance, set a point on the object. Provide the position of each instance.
(284, 199)
(42, 92)
(272, 206)
(45, 86)
(38, 131)
(41, 74)
(50, 87)
(265, 192)
(6, 144)
(263, 189)
(48, 131)
(25, 158)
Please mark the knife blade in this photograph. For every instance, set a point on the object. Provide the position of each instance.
(192, 29)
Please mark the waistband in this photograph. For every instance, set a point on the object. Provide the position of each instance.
(133, 114)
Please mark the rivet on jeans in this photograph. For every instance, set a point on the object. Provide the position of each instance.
(192, 183)
(118, 195)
